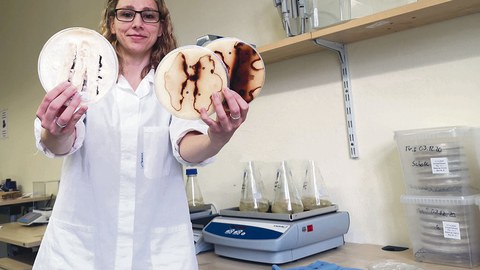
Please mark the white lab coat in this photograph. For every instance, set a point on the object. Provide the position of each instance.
(121, 202)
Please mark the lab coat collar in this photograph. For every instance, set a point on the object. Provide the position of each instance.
(144, 88)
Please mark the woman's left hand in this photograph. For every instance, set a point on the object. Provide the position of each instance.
(196, 147)
(223, 128)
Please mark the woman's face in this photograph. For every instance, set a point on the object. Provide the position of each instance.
(137, 37)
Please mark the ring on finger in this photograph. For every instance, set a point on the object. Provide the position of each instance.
(60, 125)
(235, 117)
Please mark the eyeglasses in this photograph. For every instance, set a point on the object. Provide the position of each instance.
(127, 15)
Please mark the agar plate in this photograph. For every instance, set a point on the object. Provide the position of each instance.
(246, 68)
(186, 78)
(81, 56)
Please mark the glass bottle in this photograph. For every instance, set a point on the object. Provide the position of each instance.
(287, 198)
(314, 193)
(194, 195)
(253, 198)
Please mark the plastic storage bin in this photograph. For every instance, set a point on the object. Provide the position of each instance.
(444, 230)
(362, 8)
(322, 13)
(439, 161)
(45, 188)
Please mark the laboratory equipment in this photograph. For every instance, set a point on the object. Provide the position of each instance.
(287, 198)
(294, 16)
(314, 192)
(276, 238)
(253, 194)
(201, 216)
(199, 242)
(37, 216)
(194, 194)
(9, 185)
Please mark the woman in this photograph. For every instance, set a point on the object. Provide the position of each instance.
(121, 203)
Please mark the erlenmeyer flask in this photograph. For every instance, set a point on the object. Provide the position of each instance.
(194, 195)
(287, 199)
(253, 198)
(314, 193)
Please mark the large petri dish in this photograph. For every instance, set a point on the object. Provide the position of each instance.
(186, 78)
(246, 68)
(81, 56)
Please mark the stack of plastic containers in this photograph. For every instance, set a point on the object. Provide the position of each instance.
(441, 174)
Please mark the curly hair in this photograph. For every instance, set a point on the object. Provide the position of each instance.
(164, 44)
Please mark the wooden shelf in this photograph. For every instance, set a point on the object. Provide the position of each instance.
(390, 21)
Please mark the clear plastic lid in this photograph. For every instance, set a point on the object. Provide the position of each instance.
(432, 133)
(439, 200)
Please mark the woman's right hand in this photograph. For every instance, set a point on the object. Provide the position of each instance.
(58, 112)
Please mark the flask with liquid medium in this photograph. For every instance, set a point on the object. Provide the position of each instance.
(194, 195)
(314, 193)
(253, 195)
(287, 198)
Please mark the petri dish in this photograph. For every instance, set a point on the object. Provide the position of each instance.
(186, 78)
(81, 56)
(392, 265)
(246, 68)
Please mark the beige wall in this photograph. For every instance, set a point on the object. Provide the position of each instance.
(25, 27)
(424, 77)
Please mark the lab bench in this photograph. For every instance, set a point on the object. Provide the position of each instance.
(10, 209)
(350, 255)
(16, 241)
(14, 233)
(11, 264)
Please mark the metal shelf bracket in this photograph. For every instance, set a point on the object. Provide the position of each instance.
(347, 91)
